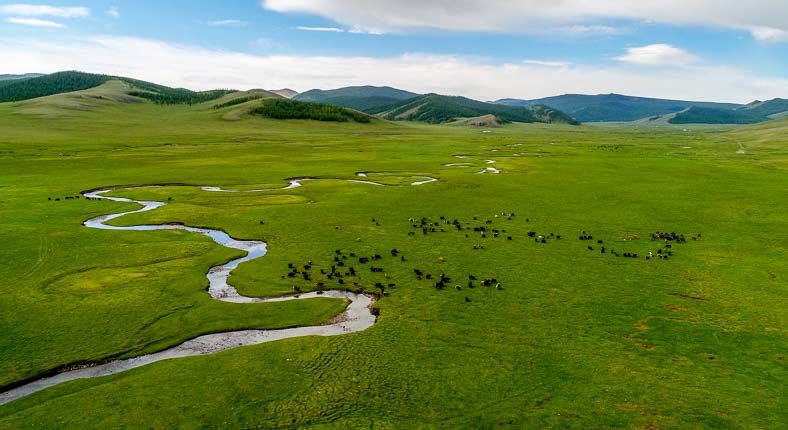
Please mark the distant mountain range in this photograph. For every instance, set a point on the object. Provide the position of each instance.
(399, 105)
(614, 107)
(360, 98)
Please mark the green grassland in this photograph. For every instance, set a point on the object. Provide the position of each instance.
(575, 339)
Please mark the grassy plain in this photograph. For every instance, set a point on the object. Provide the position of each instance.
(576, 338)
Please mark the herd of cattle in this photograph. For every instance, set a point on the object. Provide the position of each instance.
(342, 270)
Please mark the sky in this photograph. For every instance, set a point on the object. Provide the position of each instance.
(706, 50)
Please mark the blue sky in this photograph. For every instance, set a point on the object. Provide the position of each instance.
(721, 50)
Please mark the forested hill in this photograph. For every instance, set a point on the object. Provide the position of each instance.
(437, 109)
(66, 82)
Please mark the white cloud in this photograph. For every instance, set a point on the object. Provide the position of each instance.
(201, 68)
(228, 23)
(542, 15)
(591, 29)
(44, 10)
(769, 34)
(34, 22)
(113, 12)
(659, 54)
(323, 29)
(547, 63)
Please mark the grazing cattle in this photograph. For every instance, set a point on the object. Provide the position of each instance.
(296, 288)
(590, 248)
(498, 286)
(603, 250)
(467, 300)
(338, 251)
(289, 265)
(363, 260)
(429, 276)
(558, 237)
(470, 284)
(471, 277)
(599, 242)
(509, 238)
(440, 285)
(457, 287)
(403, 258)
(486, 283)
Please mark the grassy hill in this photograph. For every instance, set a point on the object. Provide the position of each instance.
(614, 107)
(438, 109)
(364, 98)
(66, 82)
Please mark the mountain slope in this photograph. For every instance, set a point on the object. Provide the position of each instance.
(614, 107)
(285, 92)
(769, 109)
(438, 109)
(360, 98)
(67, 82)
(750, 114)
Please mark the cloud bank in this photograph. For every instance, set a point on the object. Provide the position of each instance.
(766, 20)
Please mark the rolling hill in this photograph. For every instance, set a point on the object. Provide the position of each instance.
(614, 107)
(439, 109)
(364, 98)
(66, 82)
